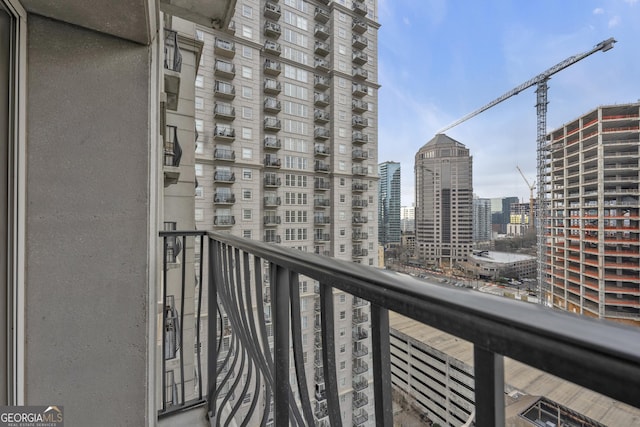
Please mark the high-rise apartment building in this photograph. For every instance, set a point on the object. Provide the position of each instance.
(389, 196)
(286, 114)
(481, 219)
(444, 193)
(592, 256)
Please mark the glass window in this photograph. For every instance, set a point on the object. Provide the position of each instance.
(247, 72)
(247, 32)
(199, 103)
(247, 214)
(247, 133)
(247, 173)
(199, 81)
(247, 153)
(247, 113)
(247, 52)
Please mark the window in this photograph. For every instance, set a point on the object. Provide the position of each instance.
(342, 165)
(342, 215)
(247, 174)
(247, 10)
(343, 233)
(342, 149)
(247, 52)
(247, 92)
(199, 125)
(342, 66)
(343, 198)
(342, 99)
(199, 214)
(199, 148)
(342, 182)
(304, 322)
(246, 234)
(342, 49)
(247, 214)
(199, 81)
(342, 33)
(198, 170)
(247, 133)
(246, 194)
(247, 113)
(247, 72)
(342, 249)
(343, 365)
(343, 315)
(247, 153)
(199, 192)
(343, 348)
(342, 82)
(199, 103)
(247, 32)
(342, 332)
(199, 35)
(342, 115)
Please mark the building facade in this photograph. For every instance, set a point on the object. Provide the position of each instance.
(389, 195)
(481, 219)
(520, 219)
(408, 218)
(592, 263)
(444, 194)
(286, 114)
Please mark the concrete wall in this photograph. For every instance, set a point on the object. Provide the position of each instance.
(87, 224)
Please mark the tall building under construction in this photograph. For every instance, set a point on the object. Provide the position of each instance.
(592, 259)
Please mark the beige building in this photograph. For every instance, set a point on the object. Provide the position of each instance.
(286, 114)
(592, 262)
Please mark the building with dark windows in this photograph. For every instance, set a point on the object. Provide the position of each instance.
(444, 197)
(481, 219)
(389, 195)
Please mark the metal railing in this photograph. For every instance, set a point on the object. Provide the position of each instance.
(599, 355)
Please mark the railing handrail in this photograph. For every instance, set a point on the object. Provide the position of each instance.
(593, 353)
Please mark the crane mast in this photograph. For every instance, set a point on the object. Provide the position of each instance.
(531, 199)
(542, 205)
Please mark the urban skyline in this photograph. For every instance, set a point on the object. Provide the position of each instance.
(425, 89)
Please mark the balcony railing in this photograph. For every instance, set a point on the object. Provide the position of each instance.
(172, 149)
(172, 56)
(598, 355)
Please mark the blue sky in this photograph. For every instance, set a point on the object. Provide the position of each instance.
(442, 59)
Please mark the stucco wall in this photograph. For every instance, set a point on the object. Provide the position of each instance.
(87, 224)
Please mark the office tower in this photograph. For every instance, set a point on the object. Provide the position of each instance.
(389, 204)
(286, 105)
(593, 226)
(444, 192)
(407, 218)
(481, 219)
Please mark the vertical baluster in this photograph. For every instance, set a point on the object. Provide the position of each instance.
(164, 323)
(280, 307)
(212, 354)
(183, 271)
(489, 387)
(381, 365)
(329, 354)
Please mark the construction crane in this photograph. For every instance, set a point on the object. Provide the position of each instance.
(531, 199)
(541, 110)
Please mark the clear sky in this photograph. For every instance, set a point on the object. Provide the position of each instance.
(442, 59)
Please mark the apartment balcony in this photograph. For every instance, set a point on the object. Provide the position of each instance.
(320, 166)
(359, 106)
(272, 123)
(360, 73)
(360, 170)
(322, 184)
(224, 198)
(321, 220)
(359, 252)
(321, 151)
(358, 122)
(272, 143)
(272, 220)
(321, 48)
(322, 65)
(224, 220)
(271, 29)
(223, 154)
(172, 69)
(359, 26)
(359, 90)
(272, 162)
(271, 180)
(321, 133)
(224, 69)
(272, 10)
(224, 90)
(272, 105)
(172, 156)
(321, 82)
(272, 201)
(359, 7)
(359, 203)
(272, 86)
(358, 186)
(272, 67)
(272, 238)
(359, 334)
(321, 202)
(223, 133)
(358, 236)
(321, 15)
(359, 154)
(224, 111)
(559, 343)
(321, 116)
(321, 237)
(224, 177)
(359, 42)
(272, 47)
(321, 99)
(322, 32)
(359, 57)
(224, 48)
(359, 219)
